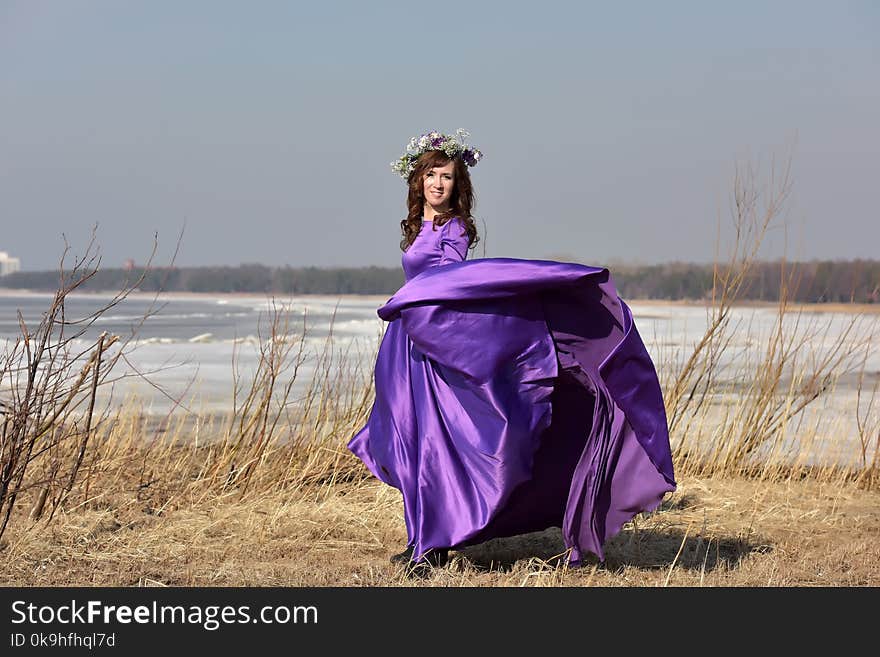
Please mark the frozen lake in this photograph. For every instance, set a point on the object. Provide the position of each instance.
(187, 348)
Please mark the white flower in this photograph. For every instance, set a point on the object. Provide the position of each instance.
(451, 145)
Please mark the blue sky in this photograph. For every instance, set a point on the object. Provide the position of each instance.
(610, 130)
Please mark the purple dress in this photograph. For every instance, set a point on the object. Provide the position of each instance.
(512, 396)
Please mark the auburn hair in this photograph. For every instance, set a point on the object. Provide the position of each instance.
(460, 203)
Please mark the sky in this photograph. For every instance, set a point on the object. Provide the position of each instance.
(264, 131)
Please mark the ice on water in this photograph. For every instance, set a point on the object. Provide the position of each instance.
(190, 342)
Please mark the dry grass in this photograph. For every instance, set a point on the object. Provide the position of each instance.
(268, 495)
(168, 504)
(710, 532)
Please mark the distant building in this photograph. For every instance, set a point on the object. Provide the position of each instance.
(8, 264)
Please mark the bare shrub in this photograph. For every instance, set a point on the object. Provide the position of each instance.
(749, 435)
(49, 378)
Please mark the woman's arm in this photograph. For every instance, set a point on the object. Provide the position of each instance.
(453, 242)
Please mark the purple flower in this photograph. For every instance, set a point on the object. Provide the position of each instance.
(434, 140)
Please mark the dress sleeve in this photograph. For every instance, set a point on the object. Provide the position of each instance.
(453, 242)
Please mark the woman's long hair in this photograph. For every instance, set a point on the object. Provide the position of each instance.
(460, 203)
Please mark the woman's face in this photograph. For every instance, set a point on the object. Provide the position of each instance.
(438, 185)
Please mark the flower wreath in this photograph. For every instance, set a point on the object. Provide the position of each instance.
(453, 145)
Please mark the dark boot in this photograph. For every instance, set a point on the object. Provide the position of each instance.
(435, 558)
(403, 557)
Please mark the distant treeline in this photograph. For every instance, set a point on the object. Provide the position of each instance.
(244, 278)
(817, 281)
(807, 282)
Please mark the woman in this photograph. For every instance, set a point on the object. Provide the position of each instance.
(511, 395)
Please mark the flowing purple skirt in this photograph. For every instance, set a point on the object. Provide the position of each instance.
(512, 396)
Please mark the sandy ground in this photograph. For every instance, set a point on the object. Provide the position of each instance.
(710, 532)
